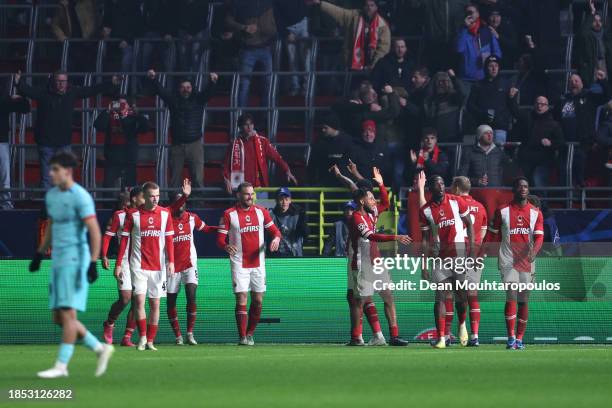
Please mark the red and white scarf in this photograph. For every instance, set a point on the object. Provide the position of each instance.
(433, 154)
(362, 44)
(237, 159)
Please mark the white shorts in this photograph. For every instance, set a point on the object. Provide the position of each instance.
(249, 279)
(153, 284)
(444, 273)
(514, 276)
(474, 275)
(175, 279)
(125, 278)
(362, 284)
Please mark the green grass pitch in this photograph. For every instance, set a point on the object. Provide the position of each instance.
(320, 375)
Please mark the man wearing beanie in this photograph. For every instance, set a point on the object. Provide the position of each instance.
(330, 149)
(484, 162)
(369, 152)
(488, 101)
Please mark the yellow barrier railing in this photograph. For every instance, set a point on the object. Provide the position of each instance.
(321, 198)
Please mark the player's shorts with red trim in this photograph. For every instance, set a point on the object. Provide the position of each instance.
(514, 276)
(249, 279)
(151, 283)
(175, 279)
(125, 277)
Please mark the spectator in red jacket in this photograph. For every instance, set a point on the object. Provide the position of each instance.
(247, 158)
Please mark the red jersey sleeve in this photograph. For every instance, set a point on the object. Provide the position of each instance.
(178, 203)
(125, 234)
(464, 209)
(423, 222)
(274, 155)
(269, 224)
(111, 231)
(384, 200)
(168, 236)
(199, 225)
(224, 225)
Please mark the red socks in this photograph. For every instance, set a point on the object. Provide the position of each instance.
(440, 321)
(372, 316)
(523, 315)
(393, 331)
(510, 312)
(474, 314)
(448, 303)
(174, 323)
(357, 331)
(254, 315)
(191, 316)
(241, 319)
(151, 333)
(142, 327)
(130, 325)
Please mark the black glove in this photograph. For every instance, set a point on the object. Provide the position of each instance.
(35, 264)
(92, 273)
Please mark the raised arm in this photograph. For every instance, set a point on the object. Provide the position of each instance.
(163, 92)
(208, 92)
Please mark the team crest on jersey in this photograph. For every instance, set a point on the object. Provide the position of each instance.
(248, 218)
(441, 212)
(519, 219)
(180, 226)
(150, 220)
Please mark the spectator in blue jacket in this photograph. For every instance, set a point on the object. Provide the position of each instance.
(475, 43)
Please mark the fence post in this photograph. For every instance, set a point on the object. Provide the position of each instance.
(321, 221)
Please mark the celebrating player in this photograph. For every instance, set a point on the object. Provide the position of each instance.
(149, 231)
(72, 216)
(186, 268)
(241, 235)
(369, 308)
(362, 277)
(124, 281)
(442, 221)
(461, 187)
(520, 228)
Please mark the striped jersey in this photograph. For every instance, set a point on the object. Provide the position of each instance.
(444, 221)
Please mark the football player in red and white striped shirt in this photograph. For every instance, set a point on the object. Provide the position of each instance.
(241, 235)
(363, 251)
(520, 227)
(445, 221)
(461, 187)
(124, 280)
(150, 230)
(186, 269)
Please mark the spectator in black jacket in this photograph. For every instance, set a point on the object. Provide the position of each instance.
(507, 36)
(335, 243)
(576, 112)
(394, 69)
(430, 158)
(593, 49)
(186, 111)
(542, 139)
(291, 221)
(123, 20)
(55, 107)
(412, 116)
(488, 101)
(121, 125)
(442, 106)
(192, 32)
(367, 106)
(484, 162)
(369, 152)
(330, 149)
(8, 105)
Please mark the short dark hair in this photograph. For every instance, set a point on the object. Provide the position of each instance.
(242, 119)
(149, 185)
(517, 180)
(64, 159)
(429, 131)
(422, 71)
(243, 185)
(359, 194)
(135, 191)
(365, 184)
(432, 179)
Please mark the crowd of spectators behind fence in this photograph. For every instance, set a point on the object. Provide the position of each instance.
(400, 119)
